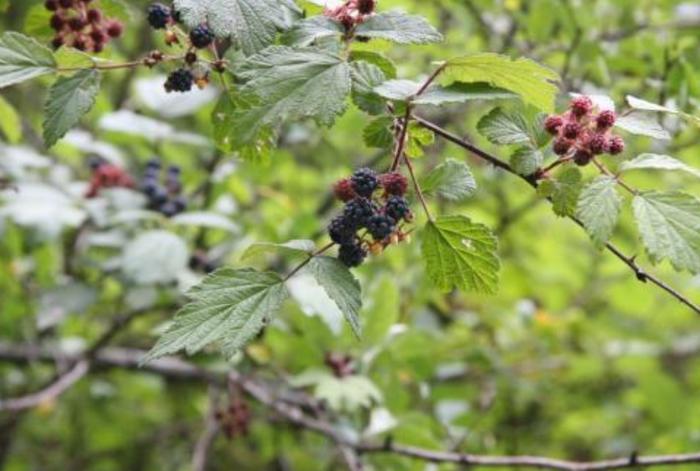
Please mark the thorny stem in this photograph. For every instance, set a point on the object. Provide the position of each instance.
(320, 251)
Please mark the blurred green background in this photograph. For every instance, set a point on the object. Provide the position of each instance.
(573, 358)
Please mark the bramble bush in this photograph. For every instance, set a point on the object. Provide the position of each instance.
(192, 185)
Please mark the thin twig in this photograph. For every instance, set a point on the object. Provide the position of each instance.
(320, 251)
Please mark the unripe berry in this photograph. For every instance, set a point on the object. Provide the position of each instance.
(114, 29)
(94, 15)
(553, 123)
(57, 22)
(581, 106)
(343, 190)
(582, 157)
(616, 145)
(561, 146)
(98, 36)
(51, 5)
(366, 7)
(605, 120)
(598, 144)
(572, 130)
(394, 183)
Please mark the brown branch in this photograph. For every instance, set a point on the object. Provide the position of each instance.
(641, 274)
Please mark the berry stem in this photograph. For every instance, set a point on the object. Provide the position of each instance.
(555, 164)
(320, 251)
(430, 80)
(604, 170)
(401, 142)
(122, 65)
(419, 191)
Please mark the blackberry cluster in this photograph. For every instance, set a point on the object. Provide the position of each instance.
(106, 175)
(164, 196)
(368, 212)
(79, 25)
(162, 17)
(583, 132)
(235, 419)
(351, 13)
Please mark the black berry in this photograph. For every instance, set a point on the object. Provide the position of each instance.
(352, 255)
(358, 211)
(180, 80)
(340, 231)
(201, 36)
(397, 208)
(158, 16)
(380, 226)
(364, 182)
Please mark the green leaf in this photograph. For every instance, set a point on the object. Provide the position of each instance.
(230, 306)
(533, 82)
(452, 179)
(642, 126)
(306, 32)
(69, 99)
(564, 191)
(505, 128)
(290, 84)
(341, 286)
(669, 223)
(526, 160)
(643, 105)
(405, 90)
(292, 248)
(22, 58)
(10, 122)
(398, 27)
(599, 208)
(252, 25)
(225, 135)
(378, 133)
(380, 60)
(461, 254)
(365, 77)
(658, 162)
(418, 138)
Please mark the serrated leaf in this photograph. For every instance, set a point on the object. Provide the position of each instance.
(286, 83)
(642, 125)
(526, 160)
(223, 117)
(341, 286)
(405, 90)
(398, 27)
(418, 138)
(306, 32)
(461, 254)
(564, 191)
(229, 306)
(293, 248)
(599, 208)
(380, 60)
(669, 223)
(452, 179)
(10, 122)
(365, 77)
(504, 128)
(22, 58)
(643, 105)
(658, 162)
(378, 133)
(251, 24)
(69, 99)
(533, 82)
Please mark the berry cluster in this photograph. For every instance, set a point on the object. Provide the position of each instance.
(583, 132)
(166, 198)
(352, 12)
(378, 217)
(201, 37)
(80, 25)
(106, 175)
(235, 419)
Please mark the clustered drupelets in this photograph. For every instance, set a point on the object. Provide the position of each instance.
(164, 195)
(374, 206)
(235, 419)
(81, 25)
(106, 175)
(583, 132)
(352, 12)
(181, 80)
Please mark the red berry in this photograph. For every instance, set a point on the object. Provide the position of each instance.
(394, 183)
(79, 43)
(57, 22)
(343, 190)
(572, 130)
(51, 5)
(616, 145)
(561, 146)
(98, 36)
(366, 7)
(114, 29)
(76, 23)
(57, 42)
(581, 106)
(605, 120)
(65, 3)
(94, 15)
(598, 144)
(553, 123)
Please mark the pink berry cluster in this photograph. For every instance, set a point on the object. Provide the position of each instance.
(352, 12)
(583, 132)
(81, 25)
